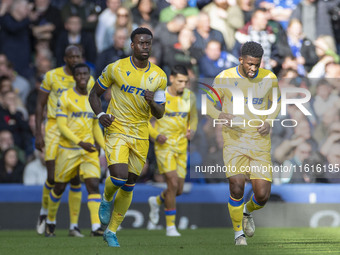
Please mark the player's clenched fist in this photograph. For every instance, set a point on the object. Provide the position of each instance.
(106, 120)
(87, 146)
(148, 95)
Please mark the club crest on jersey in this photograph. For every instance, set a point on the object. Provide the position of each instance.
(128, 73)
(150, 79)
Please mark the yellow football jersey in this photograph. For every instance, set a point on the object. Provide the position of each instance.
(180, 114)
(80, 118)
(243, 133)
(128, 84)
(54, 83)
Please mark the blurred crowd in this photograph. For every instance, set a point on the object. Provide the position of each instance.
(301, 41)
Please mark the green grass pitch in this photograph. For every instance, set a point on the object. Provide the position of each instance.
(200, 241)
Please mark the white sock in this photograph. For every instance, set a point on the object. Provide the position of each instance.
(171, 227)
(245, 210)
(95, 226)
(108, 230)
(72, 226)
(238, 233)
(43, 211)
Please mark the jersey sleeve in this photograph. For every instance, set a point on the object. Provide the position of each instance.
(278, 108)
(46, 84)
(193, 117)
(106, 79)
(62, 119)
(159, 96)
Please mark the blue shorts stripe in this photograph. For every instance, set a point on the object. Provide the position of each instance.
(236, 203)
(170, 212)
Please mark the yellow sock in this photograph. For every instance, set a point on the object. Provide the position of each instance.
(253, 205)
(235, 207)
(93, 202)
(112, 184)
(45, 194)
(170, 217)
(160, 198)
(120, 206)
(74, 203)
(53, 206)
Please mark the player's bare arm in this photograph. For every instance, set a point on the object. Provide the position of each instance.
(87, 146)
(96, 104)
(226, 116)
(265, 129)
(42, 101)
(161, 139)
(157, 110)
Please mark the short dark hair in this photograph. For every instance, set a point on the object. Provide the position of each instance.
(179, 69)
(252, 49)
(140, 31)
(79, 66)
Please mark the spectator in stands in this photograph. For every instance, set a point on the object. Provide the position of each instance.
(215, 60)
(165, 36)
(225, 18)
(145, 13)
(6, 142)
(333, 137)
(258, 30)
(11, 169)
(298, 46)
(324, 100)
(105, 20)
(20, 85)
(35, 172)
(5, 86)
(295, 175)
(177, 7)
(115, 52)
(325, 125)
(13, 120)
(85, 10)
(73, 34)
(46, 22)
(124, 20)
(333, 162)
(204, 33)
(247, 7)
(309, 12)
(15, 37)
(326, 51)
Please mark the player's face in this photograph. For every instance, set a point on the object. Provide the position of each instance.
(250, 66)
(73, 57)
(81, 77)
(141, 46)
(179, 82)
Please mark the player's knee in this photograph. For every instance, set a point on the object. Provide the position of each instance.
(262, 197)
(179, 192)
(173, 184)
(50, 180)
(59, 188)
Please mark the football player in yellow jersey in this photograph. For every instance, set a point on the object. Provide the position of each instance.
(246, 146)
(55, 82)
(171, 134)
(77, 153)
(137, 87)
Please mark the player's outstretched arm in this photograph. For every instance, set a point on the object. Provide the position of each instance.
(41, 102)
(157, 110)
(96, 104)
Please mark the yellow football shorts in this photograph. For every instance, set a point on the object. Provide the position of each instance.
(70, 160)
(51, 139)
(168, 161)
(122, 149)
(255, 164)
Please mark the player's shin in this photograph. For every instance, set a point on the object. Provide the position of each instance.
(235, 207)
(53, 206)
(112, 184)
(45, 195)
(74, 203)
(93, 202)
(121, 205)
